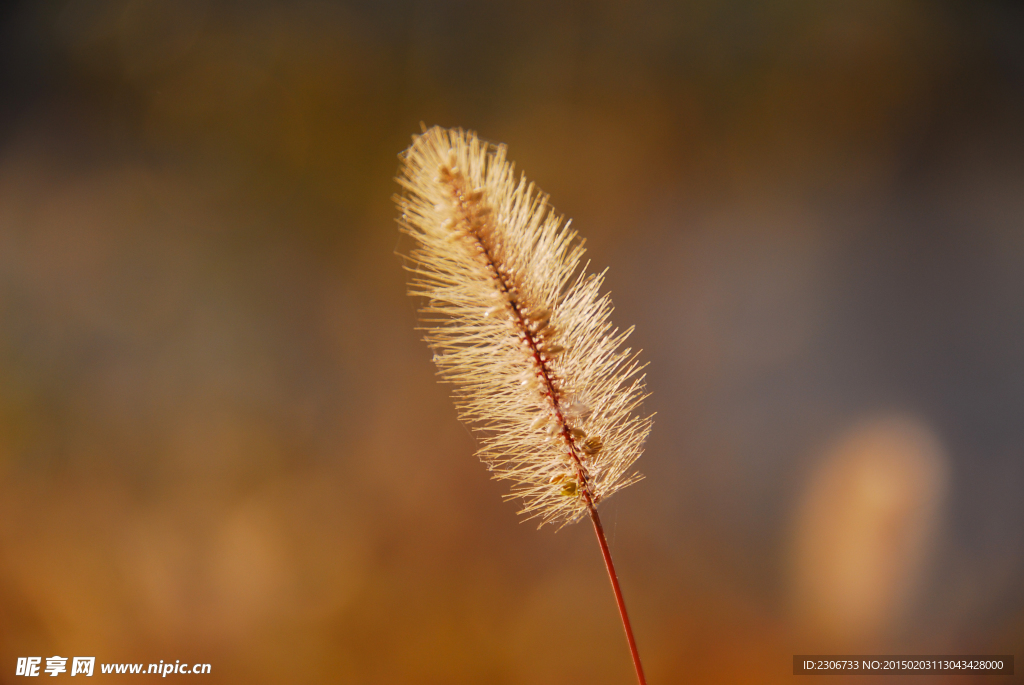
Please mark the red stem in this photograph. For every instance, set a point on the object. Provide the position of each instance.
(599, 530)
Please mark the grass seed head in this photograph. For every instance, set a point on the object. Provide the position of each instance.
(519, 328)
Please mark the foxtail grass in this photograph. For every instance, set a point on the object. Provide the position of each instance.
(522, 331)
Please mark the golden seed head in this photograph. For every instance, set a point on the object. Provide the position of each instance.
(501, 274)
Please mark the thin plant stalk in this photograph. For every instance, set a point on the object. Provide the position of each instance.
(614, 578)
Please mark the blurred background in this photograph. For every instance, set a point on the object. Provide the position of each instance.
(221, 439)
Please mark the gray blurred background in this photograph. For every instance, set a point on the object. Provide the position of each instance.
(221, 439)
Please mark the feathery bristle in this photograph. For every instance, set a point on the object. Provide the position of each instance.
(519, 328)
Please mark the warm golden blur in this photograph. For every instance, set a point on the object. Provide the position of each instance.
(221, 437)
(864, 533)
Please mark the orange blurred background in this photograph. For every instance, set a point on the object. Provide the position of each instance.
(221, 439)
